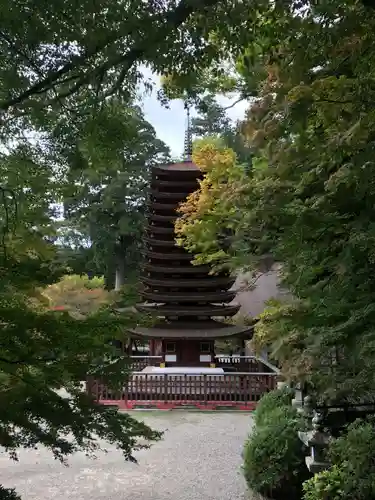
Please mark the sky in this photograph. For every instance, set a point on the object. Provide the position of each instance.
(170, 123)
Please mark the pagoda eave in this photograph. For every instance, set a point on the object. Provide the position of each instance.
(169, 207)
(212, 281)
(173, 256)
(176, 269)
(191, 185)
(181, 311)
(173, 195)
(177, 297)
(183, 169)
(192, 333)
(160, 229)
(160, 243)
(162, 218)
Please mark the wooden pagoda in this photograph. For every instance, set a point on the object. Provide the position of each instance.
(186, 300)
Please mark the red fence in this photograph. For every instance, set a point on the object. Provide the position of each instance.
(237, 363)
(241, 390)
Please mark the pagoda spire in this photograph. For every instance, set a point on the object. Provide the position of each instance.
(188, 145)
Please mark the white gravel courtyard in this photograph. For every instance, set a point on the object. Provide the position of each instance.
(199, 458)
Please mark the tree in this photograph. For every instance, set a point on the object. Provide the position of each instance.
(211, 225)
(308, 200)
(108, 203)
(61, 55)
(78, 295)
(213, 121)
(79, 257)
(309, 203)
(67, 88)
(42, 351)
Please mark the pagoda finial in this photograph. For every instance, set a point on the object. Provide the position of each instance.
(188, 146)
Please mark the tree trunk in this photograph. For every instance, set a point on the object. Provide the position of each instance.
(110, 276)
(120, 272)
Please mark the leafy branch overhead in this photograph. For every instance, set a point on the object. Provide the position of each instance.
(65, 53)
(42, 352)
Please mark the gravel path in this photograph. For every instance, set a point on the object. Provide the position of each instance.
(198, 459)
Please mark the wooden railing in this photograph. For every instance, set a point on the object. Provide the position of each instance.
(237, 363)
(138, 363)
(231, 359)
(186, 388)
(244, 363)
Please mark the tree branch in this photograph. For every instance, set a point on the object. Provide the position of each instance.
(234, 103)
(173, 20)
(47, 83)
(12, 361)
(31, 362)
(17, 50)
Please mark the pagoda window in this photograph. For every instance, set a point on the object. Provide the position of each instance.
(170, 347)
(205, 347)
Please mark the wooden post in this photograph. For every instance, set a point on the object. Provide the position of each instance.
(213, 362)
(130, 347)
(162, 362)
(242, 367)
(166, 395)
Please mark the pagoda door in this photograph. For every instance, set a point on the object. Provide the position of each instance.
(188, 353)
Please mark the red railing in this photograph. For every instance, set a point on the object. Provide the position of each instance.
(243, 388)
(138, 363)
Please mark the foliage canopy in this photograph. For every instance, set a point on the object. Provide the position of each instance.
(309, 201)
(352, 473)
(71, 132)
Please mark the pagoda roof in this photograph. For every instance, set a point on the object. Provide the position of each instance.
(162, 243)
(198, 330)
(170, 269)
(186, 297)
(190, 184)
(173, 195)
(205, 282)
(197, 310)
(183, 166)
(162, 218)
(151, 228)
(171, 256)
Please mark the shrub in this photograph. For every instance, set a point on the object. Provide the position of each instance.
(326, 485)
(274, 457)
(8, 494)
(353, 473)
(271, 401)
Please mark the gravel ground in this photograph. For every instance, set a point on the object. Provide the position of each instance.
(198, 459)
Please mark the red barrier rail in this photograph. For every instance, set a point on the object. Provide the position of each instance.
(170, 390)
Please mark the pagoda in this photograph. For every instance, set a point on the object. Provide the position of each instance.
(185, 299)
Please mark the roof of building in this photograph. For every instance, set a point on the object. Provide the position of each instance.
(183, 166)
(199, 330)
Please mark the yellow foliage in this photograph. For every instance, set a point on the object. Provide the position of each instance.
(206, 211)
(210, 157)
